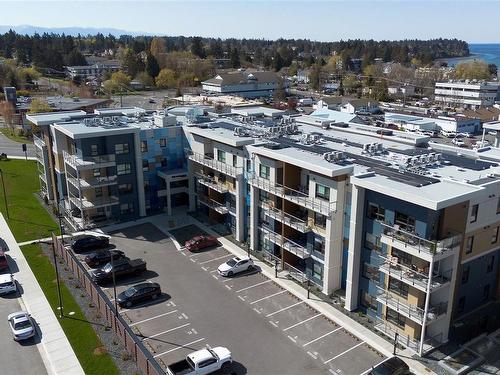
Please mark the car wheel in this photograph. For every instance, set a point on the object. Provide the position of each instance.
(128, 304)
(250, 268)
(230, 273)
(225, 367)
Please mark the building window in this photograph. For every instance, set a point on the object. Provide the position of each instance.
(145, 165)
(465, 274)
(249, 165)
(263, 196)
(235, 161)
(473, 215)
(370, 272)
(126, 208)
(368, 301)
(398, 287)
(461, 305)
(320, 220)
(322, 192)
(396, 318)
(98, 192)
(93, 150)
(375, 212)
(490, 263)
(264, 171)
(146, 186)
(96, 172)
(163, 142)
(221, 156)
(125, 188)
(144, 146)
(121, 148)
(318, 271)
(494, 238)
(372, 242)
(469, 245)
(486, 292)
(403, 257)
(319, 245)
(122, 169)
(405, 222)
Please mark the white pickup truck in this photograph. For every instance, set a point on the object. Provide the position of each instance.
(201, 362)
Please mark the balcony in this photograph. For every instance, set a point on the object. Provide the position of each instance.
(209, 161)
(90, 162)
(90, 203)
(411, 275)
(302, 199)
(287, 244)
(415, 313)
(91, 183)
(214, 205)
(402, 239)
(39, 143)
(212, 183)
(285, 218)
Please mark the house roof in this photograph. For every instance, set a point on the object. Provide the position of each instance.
(484, 114)
(242, 77)
(358, 102)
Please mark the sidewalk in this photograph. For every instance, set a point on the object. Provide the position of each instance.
(55, 349)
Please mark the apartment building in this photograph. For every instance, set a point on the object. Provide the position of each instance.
(116, 164)
(94, 70)
(469, 94)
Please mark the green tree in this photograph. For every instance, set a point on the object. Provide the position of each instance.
(197, 48)
(119, 81)
(152, 67)
(315, 76)
(75, 57)
(166, 79)
(278, 62)
(145, 79)
(38, 105)
(473, 70)
(235, 58)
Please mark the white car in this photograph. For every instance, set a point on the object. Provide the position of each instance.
(235, 265)
(467, 135)
(7, 284)
(21, 325)
(458, 142)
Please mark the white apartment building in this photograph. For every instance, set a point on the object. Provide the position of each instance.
(470, 94)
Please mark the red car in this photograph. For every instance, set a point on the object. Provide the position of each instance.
(201, 242)
(3, 261)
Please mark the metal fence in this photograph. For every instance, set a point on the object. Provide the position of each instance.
(141, 355)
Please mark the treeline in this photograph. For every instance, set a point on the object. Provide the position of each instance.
(54, 51)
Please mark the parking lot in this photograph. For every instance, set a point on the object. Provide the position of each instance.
(268, 330)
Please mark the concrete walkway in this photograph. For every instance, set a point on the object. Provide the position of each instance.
(55, 349)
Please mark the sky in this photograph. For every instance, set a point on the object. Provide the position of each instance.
(474, 21)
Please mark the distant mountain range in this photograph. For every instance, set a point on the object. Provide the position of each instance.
(30, 30)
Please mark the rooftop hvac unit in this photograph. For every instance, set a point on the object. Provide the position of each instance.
(87, 121)
(107, 120)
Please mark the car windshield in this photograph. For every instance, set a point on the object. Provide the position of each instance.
(23, 324)
(232, 262)
(8, 283)
(107, 268)
(130, 292)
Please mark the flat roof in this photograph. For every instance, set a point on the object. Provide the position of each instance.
(47, 118)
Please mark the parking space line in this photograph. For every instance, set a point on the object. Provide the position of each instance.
(154, 317)
(302, 322)
(167, 331)
(284, 308)
(253, 286)
(211, 260)
(226, 280)
(344, 352)
(272, 295)
(213, 271)
(179, 347)
(322, 336)
(371, 368)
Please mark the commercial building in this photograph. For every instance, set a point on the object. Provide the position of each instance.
(452, 123)
(245, 84)
(470, 94)
(404, 230)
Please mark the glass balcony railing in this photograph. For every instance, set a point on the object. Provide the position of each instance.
(288, 244)
(92, 182)
(39, 142)
(298, 197)
(93, 162)
(89, 203)
(217, 206)
(450, 242)
(212, 183)
(209, 161)
(292, 221)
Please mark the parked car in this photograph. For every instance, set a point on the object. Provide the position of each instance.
(89, 242)
(102, 257)
(200, 242)
(3, 261)
(122, 268)
(7, 284)
(448, 134)
(21, 325)
(235, 265)
(201, 362)
(391, 366)
(458, 142)
(480, 144)
(467, 135)
(138, 293)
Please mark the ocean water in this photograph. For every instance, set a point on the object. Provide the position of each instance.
(489, 53)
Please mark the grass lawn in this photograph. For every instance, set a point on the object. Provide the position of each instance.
(80, 333)
(17, 138)
(28, 219)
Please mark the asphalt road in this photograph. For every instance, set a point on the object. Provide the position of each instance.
(268, 330)
(17, 357)
(12, 148)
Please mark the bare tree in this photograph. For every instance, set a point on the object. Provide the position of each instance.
(7, 112)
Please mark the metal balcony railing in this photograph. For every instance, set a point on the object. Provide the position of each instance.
(212, 183)
(217, 206)
(451, 242)
(292, 221)
(90, 161)
(39, 142)
(93, 182)
(209, 161)
(298, 197)
(89, 203)
(288, 244)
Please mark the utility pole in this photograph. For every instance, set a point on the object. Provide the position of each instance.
(114, 286)
(5, 195)
(61, 312)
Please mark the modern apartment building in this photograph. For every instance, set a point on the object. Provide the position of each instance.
(470, 94)
(404, 230)
(117, 164)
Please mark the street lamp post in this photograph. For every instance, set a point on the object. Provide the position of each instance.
(61, 312)
(5, 195)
